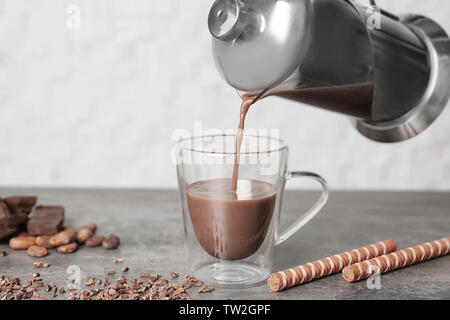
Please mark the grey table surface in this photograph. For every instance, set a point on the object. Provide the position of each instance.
(150, 226)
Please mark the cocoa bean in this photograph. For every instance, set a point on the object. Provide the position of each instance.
(44, 241)
(37, 252)
(95, 241)
(64, 237)
(111, 242)
(83, 234)
(91, 226)
(68, 248)
(22, 243)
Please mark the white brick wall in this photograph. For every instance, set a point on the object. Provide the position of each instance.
(97, 106)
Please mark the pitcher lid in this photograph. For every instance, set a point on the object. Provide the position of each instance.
(258, 43)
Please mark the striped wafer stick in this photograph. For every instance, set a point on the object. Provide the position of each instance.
(397, 260)
(288, 278)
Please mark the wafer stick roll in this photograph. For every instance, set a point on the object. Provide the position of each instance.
(288, 278)
(397, 260)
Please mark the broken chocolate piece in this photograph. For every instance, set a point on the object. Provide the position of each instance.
(5, 213)
(46, 220)
(14, 214)
(8, 223)
(21, 220)
(20, 204)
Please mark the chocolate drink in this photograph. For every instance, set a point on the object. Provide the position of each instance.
(354, 100)
(247, 101)
(231, 217)
(231, 224)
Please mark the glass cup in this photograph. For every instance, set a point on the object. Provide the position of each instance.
(231, 235)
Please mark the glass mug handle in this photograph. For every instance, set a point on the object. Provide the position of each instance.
(315, 209)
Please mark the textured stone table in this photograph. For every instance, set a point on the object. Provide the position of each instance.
(150, 226)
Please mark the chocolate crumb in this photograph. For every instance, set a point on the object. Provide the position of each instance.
(90, 281)
(193, 281)
(152, 287)
(125, 269)
(206, 288)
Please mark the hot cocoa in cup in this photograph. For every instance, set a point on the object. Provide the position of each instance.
(231, 225)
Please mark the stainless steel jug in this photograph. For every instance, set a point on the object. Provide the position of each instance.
(390, 74)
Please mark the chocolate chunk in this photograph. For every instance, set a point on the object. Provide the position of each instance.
(21, 219)
(6, 231)
(20, 204)
(5, 213)
(14, 215)
(46, 220)
(8, 223)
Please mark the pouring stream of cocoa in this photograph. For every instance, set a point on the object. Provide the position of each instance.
(247, 101)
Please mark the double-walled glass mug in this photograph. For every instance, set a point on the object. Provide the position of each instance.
(231, 233)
